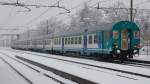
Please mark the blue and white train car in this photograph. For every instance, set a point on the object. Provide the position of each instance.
(117, 40)
(84, 41)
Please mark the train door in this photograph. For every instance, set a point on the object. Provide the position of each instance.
(124, 39)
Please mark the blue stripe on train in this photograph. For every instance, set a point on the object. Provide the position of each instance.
(89, 50)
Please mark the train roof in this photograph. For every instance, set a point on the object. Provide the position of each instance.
(77, 31)
(125, 24)
(105, 27)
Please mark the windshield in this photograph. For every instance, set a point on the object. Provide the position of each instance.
(115, 34)
(136, 35)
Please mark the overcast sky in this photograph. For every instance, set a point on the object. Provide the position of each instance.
(10, 18)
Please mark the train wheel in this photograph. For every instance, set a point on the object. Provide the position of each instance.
(130, 56)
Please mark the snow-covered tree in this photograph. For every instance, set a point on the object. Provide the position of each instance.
(87, 17)
(143, 20)
(50, 26)
(118, 13)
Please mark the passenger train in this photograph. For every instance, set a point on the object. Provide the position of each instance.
(117, 41)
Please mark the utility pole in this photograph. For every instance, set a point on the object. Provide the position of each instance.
(131, 10)
(147, 47)
(47, 27)
(28, 37)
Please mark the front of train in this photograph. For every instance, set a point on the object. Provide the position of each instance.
(126, 40)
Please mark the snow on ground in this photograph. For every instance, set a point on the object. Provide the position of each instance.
(99, 76)
(92, 62)
(35, 77)
(9, 76)
(144, 54)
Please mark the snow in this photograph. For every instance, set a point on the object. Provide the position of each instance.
(91, 73)
(9, 76)
(143, 54)
(36, 78)
(97, 63)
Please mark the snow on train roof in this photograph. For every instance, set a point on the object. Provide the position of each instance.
(76, 31)
(82, 29)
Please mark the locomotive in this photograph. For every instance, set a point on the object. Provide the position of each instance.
(117, 41)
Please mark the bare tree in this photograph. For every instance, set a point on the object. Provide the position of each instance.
(118, 14)
(50, 26)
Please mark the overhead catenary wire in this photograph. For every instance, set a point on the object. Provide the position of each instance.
(8, 18)
(37, 17)
(142, 3)
(19, 4)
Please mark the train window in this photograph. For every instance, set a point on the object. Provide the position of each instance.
(59, 41)
(90, 39)
(49, 41)
(115, 34)
(46, 42)
(80, 40)
(76, 40)
(65, 40)
(95, 39)
(137, 34)
(71, 40)
(55, 41)
(124, 34)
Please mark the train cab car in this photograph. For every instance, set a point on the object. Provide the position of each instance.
(126, 39)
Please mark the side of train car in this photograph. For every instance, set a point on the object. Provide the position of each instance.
(117, 42)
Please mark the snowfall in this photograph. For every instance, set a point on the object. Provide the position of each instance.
(97, 75)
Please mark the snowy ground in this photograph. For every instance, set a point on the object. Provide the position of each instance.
(9, 76)
(144, 54)
(32, 75)
(101, 76)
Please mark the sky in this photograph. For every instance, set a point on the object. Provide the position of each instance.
(10, 18)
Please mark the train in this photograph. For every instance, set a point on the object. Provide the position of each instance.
(115, 41)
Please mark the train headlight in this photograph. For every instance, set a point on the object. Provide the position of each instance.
(118, 51)
(135, 51)
(116, 46)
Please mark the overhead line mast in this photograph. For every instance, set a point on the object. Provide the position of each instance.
(131, 10)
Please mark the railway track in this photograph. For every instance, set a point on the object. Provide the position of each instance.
(38, 71)
(101, 67)
(57, 72)
(19, 73)
(137, 64)
(129, 62)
